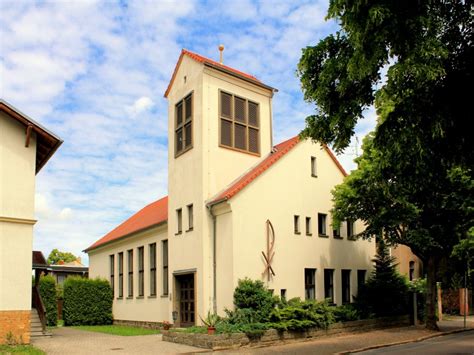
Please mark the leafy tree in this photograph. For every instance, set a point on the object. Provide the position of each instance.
(386, 292)
(56, 256)
(414, 178)
(254, 298)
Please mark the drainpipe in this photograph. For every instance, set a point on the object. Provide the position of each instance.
(214, 263)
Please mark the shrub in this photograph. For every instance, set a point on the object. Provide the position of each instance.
(255, 297)
(386, 291)
(301, 315)
(346, 313)
(47, 289)
(87, 301)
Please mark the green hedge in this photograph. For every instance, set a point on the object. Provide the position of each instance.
(87, 301)
(47, 288)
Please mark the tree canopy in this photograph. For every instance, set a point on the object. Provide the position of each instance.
(414, 179)
(56, 256)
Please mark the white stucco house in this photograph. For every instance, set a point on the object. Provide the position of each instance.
(237, 206)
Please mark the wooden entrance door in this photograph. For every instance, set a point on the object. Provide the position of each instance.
(186, 300)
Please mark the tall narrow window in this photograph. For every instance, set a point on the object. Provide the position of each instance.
(329, 284)
(346, 286)
(310, 283)
(190, 218)
(152, 269)
(141, 272)
(165, 267)
(184, 125)
(350, 230)
(308, 226)
(322, 224)
(120, 269)
(412, 270)
(360, 278)
(130, 272)
(296, 220)
(336, 232)
(283, 294)
(314, 172)
(112, 273)
(179, 220)
(239, 123)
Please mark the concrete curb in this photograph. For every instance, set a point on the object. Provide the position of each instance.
(426, 337)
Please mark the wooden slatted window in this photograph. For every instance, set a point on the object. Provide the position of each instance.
(120, 270)
(130, 273)
(239, 123)
(184, 125)
(112, 273)
(165, 267)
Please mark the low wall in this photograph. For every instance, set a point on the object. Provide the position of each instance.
(140, 324)
(270, 337)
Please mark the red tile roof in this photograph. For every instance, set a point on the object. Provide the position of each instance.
(153, 214)
(213, 64)
(278, 151)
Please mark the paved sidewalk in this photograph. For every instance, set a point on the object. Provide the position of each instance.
(78, 342)
(347, 343)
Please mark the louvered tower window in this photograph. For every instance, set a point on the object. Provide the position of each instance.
(239, 123)
(184, 125)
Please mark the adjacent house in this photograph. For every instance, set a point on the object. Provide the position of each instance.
(237, 206)
(62, 270)
(25, 147)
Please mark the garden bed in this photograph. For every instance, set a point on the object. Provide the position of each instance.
(237, 340)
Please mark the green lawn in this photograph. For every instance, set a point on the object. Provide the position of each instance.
(117, 329)
(20, 349)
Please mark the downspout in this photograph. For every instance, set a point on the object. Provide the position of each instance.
(214, 259)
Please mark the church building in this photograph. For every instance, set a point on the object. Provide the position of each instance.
(238, 206)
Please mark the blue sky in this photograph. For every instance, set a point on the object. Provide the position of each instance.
(95, 73)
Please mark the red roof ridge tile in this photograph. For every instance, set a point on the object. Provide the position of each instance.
(152, 214)
(201, 59)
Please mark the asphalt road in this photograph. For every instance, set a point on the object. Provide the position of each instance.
(460, 343)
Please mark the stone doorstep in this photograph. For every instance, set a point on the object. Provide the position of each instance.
(273, 337)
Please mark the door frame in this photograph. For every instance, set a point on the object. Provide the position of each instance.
(177, 298)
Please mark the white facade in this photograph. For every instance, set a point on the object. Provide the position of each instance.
(228, 235)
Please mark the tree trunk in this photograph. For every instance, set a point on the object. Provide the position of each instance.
(431, 294)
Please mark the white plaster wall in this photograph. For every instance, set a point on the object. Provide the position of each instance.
(149, 308)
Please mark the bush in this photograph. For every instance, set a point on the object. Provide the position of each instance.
(301, 315)
(47, 289)
(256, 298)
(87, 301)
(346, 313)
(386, 291)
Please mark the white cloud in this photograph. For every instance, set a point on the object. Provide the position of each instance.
(140, 105)
(65, 213)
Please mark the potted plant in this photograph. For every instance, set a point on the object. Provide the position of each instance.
(210, 321)
(166, 325)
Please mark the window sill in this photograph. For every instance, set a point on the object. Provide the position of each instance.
(164, 296)
(139, 297)
(309, 234)
(352, 239)
(120, 298)
(323, 236)
(189, 230)
(315, 176)
(297, 233)
(152, 296)
(181, 152)
(129, 298)
(338, 237)
(178, 233)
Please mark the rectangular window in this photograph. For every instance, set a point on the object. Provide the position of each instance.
(112, 273)
(190, 218)
(313, 167)
(322, 224)
(179, 220)
(283, 294)
(336, 232)
(184, 125)
(346, 286)
(165, 267)
(120, 267)
(360, 278)
(308, 226)
(239, 123)
(350, 230)
(141, 272)
(130, 272)
(310, 283)
(297, 224)
(329, 284)
(152, 269)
